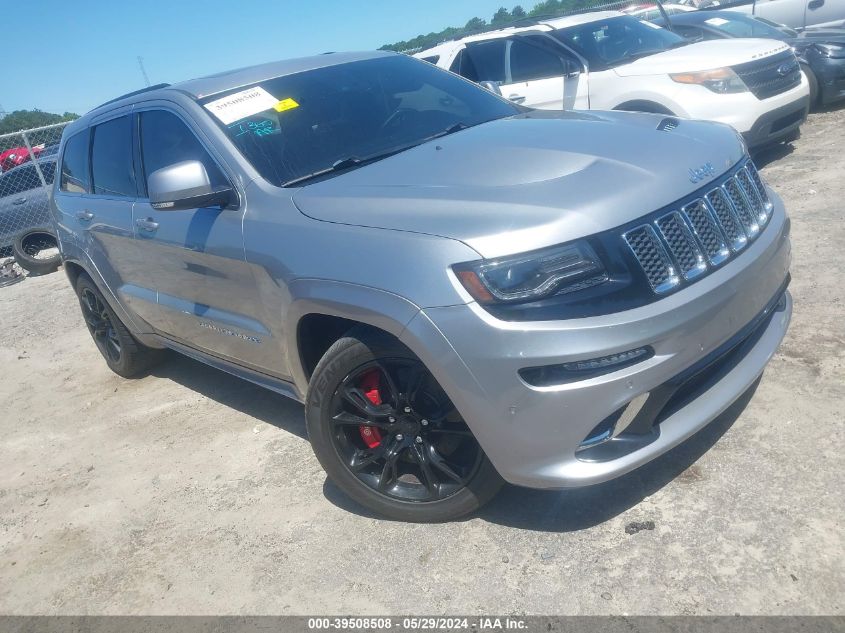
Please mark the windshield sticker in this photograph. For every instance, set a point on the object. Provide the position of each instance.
(285, 104)
(716, 21)
(264, 127)
(242, 104)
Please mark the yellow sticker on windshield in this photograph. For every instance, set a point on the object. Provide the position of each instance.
(285, 104)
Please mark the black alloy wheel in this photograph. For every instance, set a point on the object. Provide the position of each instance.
(398, 433)
(99, 323)
(388, 435)
(125, 355)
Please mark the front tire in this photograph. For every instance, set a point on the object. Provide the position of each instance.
(123, 354)
(389, 437)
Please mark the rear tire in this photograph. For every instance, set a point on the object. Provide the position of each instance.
(124, 355)
(424, 465)
(37, 251)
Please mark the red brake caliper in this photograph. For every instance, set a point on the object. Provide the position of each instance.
(369, 385)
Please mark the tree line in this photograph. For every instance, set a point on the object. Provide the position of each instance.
(500, 19)
(26, 119)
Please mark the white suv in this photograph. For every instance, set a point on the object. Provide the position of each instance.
(611, 61)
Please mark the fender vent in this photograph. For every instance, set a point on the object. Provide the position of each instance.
(668, 124)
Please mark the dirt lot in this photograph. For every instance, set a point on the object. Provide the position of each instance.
(188, 491)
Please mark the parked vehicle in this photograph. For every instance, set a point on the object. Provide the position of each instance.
(610, 61)
(797, 14)
(25, 221)
(821, 52)
(17, 156)
(460, 290)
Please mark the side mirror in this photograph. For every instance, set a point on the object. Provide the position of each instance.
(492, 86)
(185, 185)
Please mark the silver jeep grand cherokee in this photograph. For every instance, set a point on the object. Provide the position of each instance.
(462, 291)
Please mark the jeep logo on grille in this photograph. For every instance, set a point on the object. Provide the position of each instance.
(700, 173)
(785, 69)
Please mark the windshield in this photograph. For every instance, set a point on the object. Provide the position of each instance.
(614, 41)
(340, 116)
(739, 25)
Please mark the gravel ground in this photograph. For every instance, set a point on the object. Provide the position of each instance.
(190, 492)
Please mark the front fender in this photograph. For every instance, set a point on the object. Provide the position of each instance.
(381, 309)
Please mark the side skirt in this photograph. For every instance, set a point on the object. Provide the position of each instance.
(282, 387)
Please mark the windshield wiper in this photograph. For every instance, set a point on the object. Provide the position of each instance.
(355, 161)
(455, 127)
(338, 165)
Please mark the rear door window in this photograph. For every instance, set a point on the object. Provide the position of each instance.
(113, 173)
(75, 164)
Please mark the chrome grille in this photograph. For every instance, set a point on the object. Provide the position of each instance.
(742, 207)
(706, 229)
(653, 258)
(770, 76)
(723, 209)
(684, 244)
(751, 170)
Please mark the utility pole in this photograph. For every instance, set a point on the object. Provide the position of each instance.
(143, 71)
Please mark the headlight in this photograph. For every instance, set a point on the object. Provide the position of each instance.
(721, 80)
(836, 51)
(531, 276)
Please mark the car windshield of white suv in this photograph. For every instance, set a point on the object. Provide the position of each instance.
(619, 40)
(321, 122)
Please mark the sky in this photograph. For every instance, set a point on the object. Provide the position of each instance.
(72, 55)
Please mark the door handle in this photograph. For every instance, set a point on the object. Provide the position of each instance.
(149, 224)
(516, 98)
(85, 216)
(19, 201)
(816, 4)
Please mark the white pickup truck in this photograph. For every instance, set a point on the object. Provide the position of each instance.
(611, 61)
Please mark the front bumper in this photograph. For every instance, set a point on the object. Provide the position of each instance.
(778, 125)
(759, 121)
(534, 435)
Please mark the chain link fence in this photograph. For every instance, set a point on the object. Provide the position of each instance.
(27, 170)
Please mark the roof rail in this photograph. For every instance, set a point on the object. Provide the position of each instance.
(133, 93)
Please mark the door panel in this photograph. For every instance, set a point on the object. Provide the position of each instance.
(194, 285)
(193, 259)
(789, 12)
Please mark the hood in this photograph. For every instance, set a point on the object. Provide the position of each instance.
(529, 181)
(702, 56)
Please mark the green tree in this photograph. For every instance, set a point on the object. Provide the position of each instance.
(26, 119)
(517, 12)
(501, 17)
(475, 24)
